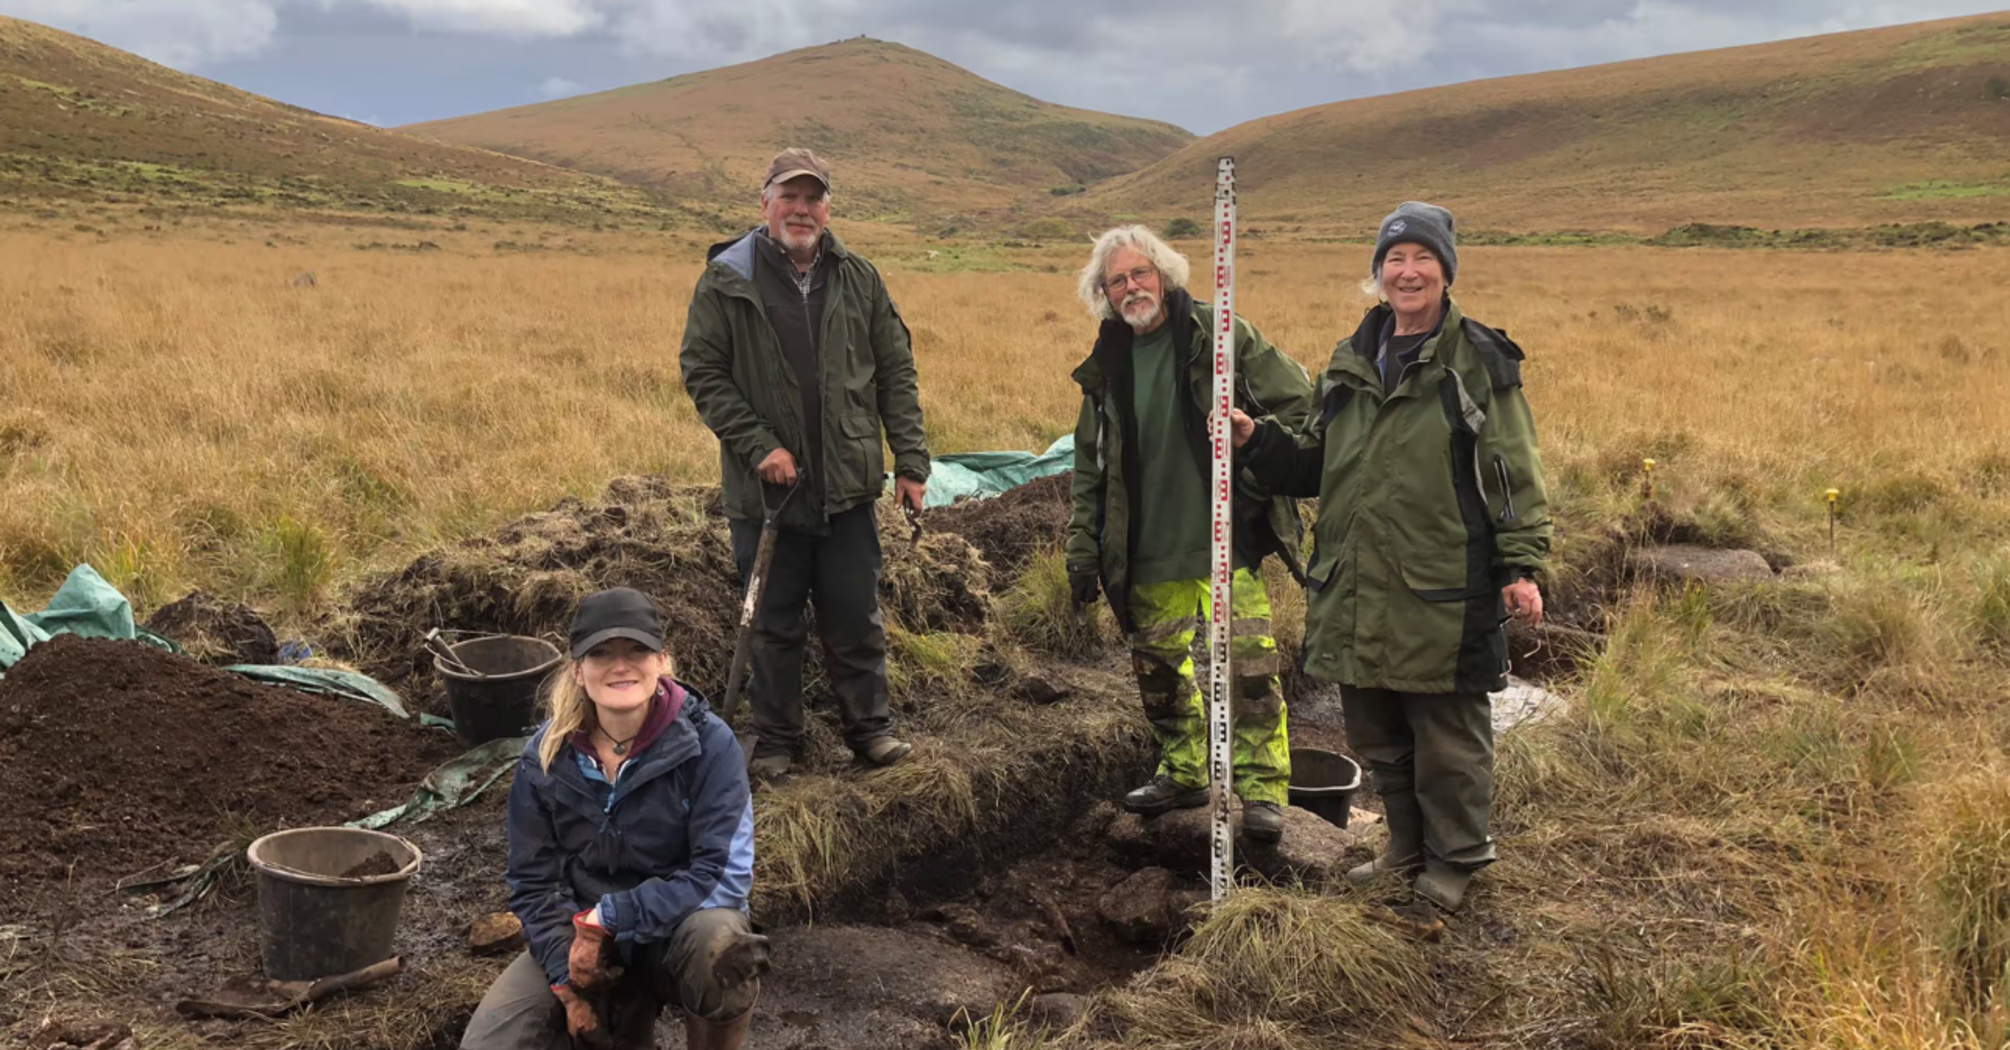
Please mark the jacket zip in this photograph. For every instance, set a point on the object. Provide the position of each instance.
(1507, 490)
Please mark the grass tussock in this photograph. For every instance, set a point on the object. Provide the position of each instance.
(1269, 968)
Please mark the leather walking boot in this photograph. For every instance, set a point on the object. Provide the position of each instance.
(1164, 794)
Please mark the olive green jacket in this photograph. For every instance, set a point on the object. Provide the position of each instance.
(1431, 500)
(747, 394)
(1108, 459)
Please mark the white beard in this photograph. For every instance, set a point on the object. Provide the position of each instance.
(1140, 312)
(799, 240)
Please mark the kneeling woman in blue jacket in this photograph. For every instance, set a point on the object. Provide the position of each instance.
(631, 855)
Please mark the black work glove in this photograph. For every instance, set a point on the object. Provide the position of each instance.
(1082, 586)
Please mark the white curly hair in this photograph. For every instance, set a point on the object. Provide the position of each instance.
(1171, 265)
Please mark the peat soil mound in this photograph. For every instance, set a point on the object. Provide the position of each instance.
(670, 542)
(216, 631)
(117, 758)
(1008, 529)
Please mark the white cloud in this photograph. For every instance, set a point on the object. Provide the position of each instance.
(179, 33)
(724, 31)
(557, 87)
(520, 18)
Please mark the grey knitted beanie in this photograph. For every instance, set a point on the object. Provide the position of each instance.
(1414, 222)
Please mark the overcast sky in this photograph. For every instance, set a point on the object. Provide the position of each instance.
(1202, 65)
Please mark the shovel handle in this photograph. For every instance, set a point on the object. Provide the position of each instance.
(757, 585)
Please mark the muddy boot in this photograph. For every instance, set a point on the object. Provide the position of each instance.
(700, 1034)
(1405, 850)
(1443, 885)
(769, 767)
(884, 751)
(1262, 821)
(1164, 794)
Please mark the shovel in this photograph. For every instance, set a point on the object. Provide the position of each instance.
(757, 585)
(250, 997)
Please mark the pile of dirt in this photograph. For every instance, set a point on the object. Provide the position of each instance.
(1008, 529)
(670, 542)
(216, 631)
(117, 757)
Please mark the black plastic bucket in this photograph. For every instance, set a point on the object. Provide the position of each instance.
(313, 920)
(502, 700)
(1324, 782)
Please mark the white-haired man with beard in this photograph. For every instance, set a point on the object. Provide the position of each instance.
(1141, 522)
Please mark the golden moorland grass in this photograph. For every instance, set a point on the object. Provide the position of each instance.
(1773, 816)
(179, 412)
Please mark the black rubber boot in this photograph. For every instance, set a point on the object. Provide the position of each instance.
(1163, 794)
(1262, 821)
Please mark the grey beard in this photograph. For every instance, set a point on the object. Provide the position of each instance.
(1148, 316)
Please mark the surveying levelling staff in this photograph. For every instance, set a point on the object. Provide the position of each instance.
(1433, 529)
(797, 359)
(1141, 523)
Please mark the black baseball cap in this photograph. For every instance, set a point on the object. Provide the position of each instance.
(619, 612)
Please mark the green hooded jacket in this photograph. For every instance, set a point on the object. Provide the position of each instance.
(747, 394)
(1108, 463)
(1431, 500)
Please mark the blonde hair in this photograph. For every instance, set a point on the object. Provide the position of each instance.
(569, 710)
(1171, 265)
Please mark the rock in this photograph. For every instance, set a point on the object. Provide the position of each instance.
(1042, 689)
(495, 934)
(1683, 563)
(1312, 850)
(1145, 908)
(1522, 703)
(1055, 1010)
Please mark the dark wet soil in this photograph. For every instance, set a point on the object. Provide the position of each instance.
(216, 631)
(117, 759)
(1008, 529)
(378, 863)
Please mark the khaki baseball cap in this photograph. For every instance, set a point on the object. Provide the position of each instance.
(795, 161)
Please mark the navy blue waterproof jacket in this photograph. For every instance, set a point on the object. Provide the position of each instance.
(673, 834)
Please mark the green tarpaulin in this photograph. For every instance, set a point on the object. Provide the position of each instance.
(976, 475)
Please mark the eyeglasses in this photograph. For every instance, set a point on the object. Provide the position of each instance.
(1137, 276)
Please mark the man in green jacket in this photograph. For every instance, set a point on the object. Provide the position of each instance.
(1433, 529)
(1142, 517)
(797, 359)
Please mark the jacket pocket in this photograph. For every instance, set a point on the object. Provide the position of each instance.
(862, 468)
(1439, 579)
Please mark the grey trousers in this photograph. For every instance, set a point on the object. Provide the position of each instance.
(1432, 760)
(520, 1013)
(839, 573)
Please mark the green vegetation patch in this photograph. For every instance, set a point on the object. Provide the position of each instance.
(74, 97)
(1941, 190)
(1988, 42)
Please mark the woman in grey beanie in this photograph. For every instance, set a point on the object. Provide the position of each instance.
(1433, 530)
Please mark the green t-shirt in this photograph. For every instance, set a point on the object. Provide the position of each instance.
(1173, 521)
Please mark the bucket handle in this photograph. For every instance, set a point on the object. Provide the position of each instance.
(447, 656)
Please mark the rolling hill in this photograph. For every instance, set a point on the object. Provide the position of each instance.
(1905, 124)
(907, 134)
(86, 121)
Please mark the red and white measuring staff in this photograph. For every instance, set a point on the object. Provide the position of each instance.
(1220, 628)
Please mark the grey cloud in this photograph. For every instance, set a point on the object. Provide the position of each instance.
(1197, 63)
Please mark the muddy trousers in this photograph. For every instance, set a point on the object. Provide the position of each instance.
(520, 1013)
(1432, 760)
(838, 573)
(1166, 617)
